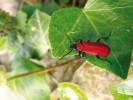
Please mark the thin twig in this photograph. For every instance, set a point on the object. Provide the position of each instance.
(43, 70)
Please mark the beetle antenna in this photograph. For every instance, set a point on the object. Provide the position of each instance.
(66, 54)
(68, 37)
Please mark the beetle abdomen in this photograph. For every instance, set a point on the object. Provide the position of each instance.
(94, 48)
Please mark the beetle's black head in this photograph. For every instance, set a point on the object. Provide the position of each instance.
(73, 47)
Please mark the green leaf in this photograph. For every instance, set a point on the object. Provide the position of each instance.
(122, 91)
(26, 64)
(21, 20)
(32, 87)
(30, 9)
(70, 91)
(97, 19)
(5, 92)
(4, 20)
(36, 37)
(5, 46)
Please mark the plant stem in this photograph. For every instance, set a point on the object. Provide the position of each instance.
(43, 70)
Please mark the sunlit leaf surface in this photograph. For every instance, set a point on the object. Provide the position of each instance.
(37, 34)
(6, 93)
(97, 19)
(5, 46)
(32, 87)
(122, 91)
(70, 91)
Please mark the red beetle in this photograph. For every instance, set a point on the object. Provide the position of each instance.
(93, 48)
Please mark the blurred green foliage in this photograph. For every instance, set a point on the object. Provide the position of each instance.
(25, 37)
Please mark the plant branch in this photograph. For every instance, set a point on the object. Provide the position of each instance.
(43, 70)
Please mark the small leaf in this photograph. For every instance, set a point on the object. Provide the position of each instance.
(5, 46)
(21, 20)
(122, 91)
(70, 91)
(37, 34)
(32, 87)
(5, 92)
(97, 19)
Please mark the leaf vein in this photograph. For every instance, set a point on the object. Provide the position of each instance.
(68, 33)
(87, 10)
(92, 24)
(118, 63)
(39, 23)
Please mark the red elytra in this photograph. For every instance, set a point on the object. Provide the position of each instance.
(93, 48)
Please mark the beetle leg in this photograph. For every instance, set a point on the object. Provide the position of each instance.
(83, 54)
(74, 39)
(78, 40)
(81, 42)
(105, 38)
(79, 54)
(104, 59)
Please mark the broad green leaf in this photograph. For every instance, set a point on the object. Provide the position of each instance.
(5, 92)
(36, 37)
(21, 20)
(70, 91)
(122, 91)
(5, 46)
(96, 20)
(32, 87)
